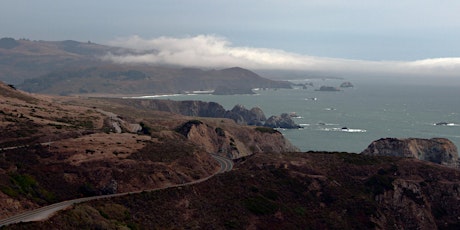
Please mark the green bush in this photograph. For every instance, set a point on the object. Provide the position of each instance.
(27, 185)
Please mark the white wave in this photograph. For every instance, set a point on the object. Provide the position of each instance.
(344, 130)
(327, 124)
(153, 96)
(354, 130)
(304, 125)
(446, 124)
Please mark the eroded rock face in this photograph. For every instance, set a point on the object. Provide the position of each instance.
(438, 150)
(241, 115)
(234, 142)
(283, 121)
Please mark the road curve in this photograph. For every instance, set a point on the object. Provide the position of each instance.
(226, 164)
(45, 212)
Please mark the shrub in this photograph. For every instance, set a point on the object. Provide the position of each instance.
(220, 132)
(378, 184)
(185, 128)
(266, 130)
(260, 205)
(145, 129)
(27, 185)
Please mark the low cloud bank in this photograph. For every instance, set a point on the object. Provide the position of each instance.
(209, 51)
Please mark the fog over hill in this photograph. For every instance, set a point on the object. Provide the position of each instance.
(25, 59)
(210, 50)
(71, 67)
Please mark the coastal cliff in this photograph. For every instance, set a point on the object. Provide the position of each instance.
(235, 142)
(437, 150)
(239, 114)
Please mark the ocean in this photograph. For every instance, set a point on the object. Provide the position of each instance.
(349, 120)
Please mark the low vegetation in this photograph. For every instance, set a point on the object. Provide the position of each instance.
(266, 130)
(291, 191)
(313, 190)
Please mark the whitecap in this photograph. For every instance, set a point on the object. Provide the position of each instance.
(327, 124)
(446, 124)
(153, 96)
(354, 130)
(344, 130)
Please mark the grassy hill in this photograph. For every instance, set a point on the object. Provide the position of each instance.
(25, 59)
(116, 79)
(71, 67)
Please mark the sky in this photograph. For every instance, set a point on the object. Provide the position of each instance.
(408, 35)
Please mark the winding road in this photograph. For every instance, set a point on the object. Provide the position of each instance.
(44, 213)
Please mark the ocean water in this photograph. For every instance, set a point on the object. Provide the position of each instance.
(349, 120)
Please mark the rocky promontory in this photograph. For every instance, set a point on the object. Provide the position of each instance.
(241, 115)
(233, 141)
(328, 89)
(283, 121)
(438, 150)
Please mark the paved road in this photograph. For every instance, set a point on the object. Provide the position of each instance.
(43, 213)
(226, 164)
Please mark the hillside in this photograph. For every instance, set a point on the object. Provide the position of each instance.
(25, 59)
(147, 80)
(59, 148)
(71, 67)
(288, 191)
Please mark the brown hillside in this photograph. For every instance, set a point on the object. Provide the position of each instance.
(24, 59)
(289, 191)
(59, 148)
(141, 79)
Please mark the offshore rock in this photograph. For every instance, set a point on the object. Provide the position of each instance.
(346, 84)
(328, 89)
(437, 150)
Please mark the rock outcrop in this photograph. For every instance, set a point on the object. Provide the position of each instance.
(346, 84)
(328, 89)
(283, 121)
(438, 150)
(233, 141)
(240, 114)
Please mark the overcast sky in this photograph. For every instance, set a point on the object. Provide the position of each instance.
(366, 30)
